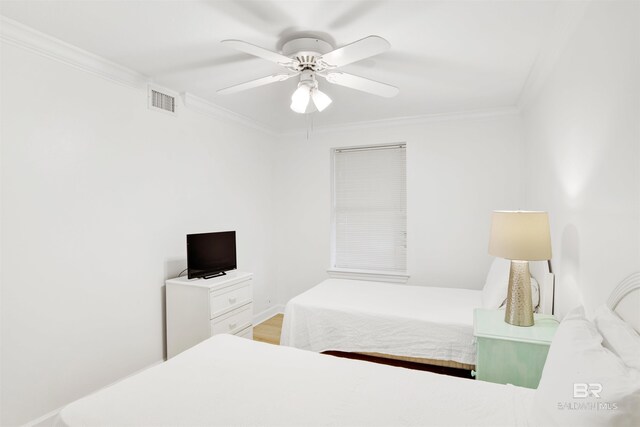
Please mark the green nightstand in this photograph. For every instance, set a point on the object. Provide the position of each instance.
(510, 354)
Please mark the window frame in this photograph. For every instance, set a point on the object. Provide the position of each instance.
(358, 274)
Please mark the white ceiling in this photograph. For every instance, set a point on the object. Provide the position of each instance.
(446, 56)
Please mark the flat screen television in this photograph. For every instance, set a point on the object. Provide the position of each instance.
(210, 254)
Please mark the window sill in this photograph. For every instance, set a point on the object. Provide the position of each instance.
(374, 276)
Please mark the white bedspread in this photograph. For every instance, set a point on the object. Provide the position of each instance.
(227, 381)
(360, 316)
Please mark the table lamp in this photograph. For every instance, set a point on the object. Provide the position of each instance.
(520, 236)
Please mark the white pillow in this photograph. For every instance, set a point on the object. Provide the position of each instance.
(618, 336)
(495, 288)
(583, 383)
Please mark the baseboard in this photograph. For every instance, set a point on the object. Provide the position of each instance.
(267, 314)
(48, 419)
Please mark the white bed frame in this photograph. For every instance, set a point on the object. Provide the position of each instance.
(625, 287)
(542, 272)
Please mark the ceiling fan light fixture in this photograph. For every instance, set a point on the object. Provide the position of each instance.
(320, 99)
(300, 99)
(309, 57)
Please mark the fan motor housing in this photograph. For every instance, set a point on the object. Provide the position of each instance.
(306, 51)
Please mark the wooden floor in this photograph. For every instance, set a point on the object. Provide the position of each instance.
(269, 330)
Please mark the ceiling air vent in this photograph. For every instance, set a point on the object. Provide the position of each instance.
(161, 99)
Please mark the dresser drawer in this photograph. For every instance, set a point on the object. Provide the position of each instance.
(223, 300)
(234, 321)
(246, 333)
(199, 308)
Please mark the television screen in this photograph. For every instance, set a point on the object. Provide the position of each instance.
(210, 254)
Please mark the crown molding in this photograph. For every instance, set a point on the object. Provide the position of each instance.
(35, 41)
(203, 106)
(568, 15)
(26, 37)
(412, 120)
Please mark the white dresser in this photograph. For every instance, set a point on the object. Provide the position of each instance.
(200, 308)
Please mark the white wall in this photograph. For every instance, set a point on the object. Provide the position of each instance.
(583, 151)
(458, 171)
(98, 193)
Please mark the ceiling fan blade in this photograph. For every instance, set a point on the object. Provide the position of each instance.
(356, 10)
(362, 84)
(260, 52)
(256, 83)
(264, 16)
(361, 49)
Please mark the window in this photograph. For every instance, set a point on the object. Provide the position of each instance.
(370, 209)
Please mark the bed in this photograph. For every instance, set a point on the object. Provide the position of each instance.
(422, 324)
(228, 381)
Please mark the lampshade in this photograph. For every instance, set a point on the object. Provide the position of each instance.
(520, 235)
(308, 99)
(300, 99)
(320, 99)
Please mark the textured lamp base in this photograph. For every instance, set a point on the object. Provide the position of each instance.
(519, 310)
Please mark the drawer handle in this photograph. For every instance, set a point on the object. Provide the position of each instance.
(233, 300)
(232, 326)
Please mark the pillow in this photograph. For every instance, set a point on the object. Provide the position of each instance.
(583, 383)
(618, 336)
(494, 292)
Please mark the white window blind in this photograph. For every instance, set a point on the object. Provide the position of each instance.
(370, 209)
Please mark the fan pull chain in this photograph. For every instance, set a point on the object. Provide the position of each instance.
(309, 125)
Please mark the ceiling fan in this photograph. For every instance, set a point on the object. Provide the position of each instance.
(310, 57)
